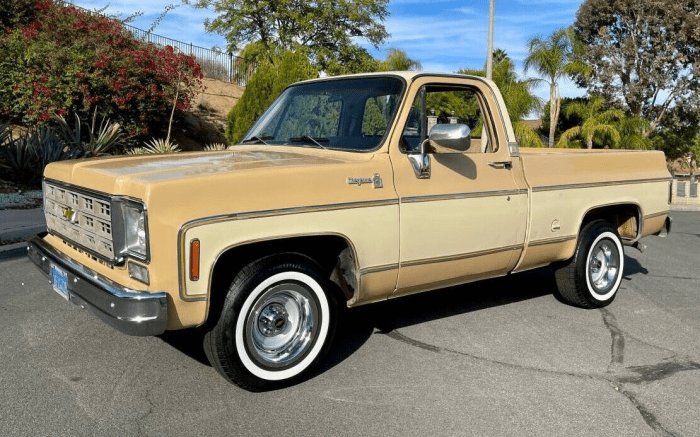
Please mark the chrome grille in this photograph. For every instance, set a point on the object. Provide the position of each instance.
(82, 219)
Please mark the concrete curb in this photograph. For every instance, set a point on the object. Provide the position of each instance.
(13, 251)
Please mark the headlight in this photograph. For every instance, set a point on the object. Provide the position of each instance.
(131, 229)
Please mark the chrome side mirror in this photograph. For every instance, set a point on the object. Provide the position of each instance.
(453, 137)
(420, 162)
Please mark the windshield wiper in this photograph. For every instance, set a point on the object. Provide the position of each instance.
(308, 139)
(257, 139)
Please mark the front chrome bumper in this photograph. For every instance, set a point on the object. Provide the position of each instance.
(129, 311)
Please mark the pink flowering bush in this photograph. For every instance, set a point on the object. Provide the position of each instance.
(55, 60)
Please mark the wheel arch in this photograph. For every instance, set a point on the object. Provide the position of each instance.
(626, 217)
(334, 253)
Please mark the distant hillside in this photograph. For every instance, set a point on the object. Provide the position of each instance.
(206, 122)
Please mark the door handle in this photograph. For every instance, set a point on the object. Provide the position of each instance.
(501, 164)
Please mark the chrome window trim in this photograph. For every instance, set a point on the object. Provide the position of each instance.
(479, 79)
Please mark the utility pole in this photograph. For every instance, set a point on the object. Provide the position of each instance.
(489, 49)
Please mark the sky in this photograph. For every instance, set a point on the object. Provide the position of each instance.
(444, 35)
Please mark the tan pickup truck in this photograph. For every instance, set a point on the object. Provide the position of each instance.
(347, 191)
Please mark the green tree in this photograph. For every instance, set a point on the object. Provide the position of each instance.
(328, 28)
(552, 58)
(632, 133)
(644, 54)
(499, 55)
(679, 137)
(264, 86)
(398, 60)
(595, 123)
(352, 59)
(565, 122)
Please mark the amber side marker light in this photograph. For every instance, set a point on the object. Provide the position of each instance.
(194, 260)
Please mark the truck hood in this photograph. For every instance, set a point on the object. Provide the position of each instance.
(185, 186)
(118, 174)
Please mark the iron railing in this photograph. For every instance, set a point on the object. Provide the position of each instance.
(216, 64)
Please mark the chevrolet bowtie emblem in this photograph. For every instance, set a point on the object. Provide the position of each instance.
(70, 214)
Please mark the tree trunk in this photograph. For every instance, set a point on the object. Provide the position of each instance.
(554, 107)
(589, 142)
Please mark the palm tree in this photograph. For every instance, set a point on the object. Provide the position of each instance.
(517, 95)
(554, 57)
(632, 133)
(594, 123)
(499, 55)
(398, 60)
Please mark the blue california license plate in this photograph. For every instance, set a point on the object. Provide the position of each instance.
(59, 279)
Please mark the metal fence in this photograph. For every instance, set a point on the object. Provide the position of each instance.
(215, 63)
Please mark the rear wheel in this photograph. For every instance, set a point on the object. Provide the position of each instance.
(277, 321)
(592, 277)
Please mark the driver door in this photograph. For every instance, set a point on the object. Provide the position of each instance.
(466, 221)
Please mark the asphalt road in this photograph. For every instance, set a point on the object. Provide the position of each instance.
(500, 357)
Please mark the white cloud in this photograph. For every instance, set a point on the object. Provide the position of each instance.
(445, 35)
(448, 39)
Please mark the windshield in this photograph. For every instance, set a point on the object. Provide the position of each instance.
(346, 114)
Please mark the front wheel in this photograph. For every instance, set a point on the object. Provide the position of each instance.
(592, 277)
(277, 322)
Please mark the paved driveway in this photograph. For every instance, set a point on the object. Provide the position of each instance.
(500, 357)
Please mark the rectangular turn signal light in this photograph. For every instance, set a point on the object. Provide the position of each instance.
(194, 260)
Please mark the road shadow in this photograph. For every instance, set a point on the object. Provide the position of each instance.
(357, 325)
(383, 317)
(632, 267)
(189, 342)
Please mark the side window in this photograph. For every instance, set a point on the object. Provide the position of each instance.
(413, 131)
(447, 104)
(376, 115)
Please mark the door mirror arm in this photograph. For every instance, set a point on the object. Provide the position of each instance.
(421, 162)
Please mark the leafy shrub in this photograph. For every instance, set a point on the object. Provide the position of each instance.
(100, 140)
(17, 12)
(66, 59)
(155, 147)
(215, 147)
(264, 86)
(25, 158)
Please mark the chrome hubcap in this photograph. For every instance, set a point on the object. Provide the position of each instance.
(281, 325)
(603, 265)
(272, 320)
